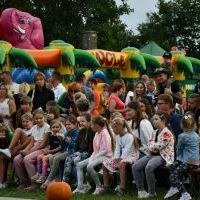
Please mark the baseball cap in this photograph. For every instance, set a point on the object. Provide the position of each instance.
(167, 55)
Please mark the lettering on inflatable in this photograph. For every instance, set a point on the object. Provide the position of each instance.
(110, 59)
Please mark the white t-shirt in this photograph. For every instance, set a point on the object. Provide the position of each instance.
(128, 97)
(58, 91)
(13, 88)
(124, 146)
(145, 134)
(38, 132)
(28, 132)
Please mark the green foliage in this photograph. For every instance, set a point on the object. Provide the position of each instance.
(175, 23)
(20, 57)
(137, 62)
(85, 59)
(184, 64)
(195, 64)
(68, 57)
(2, 55)
(151, 61)
(68, 19)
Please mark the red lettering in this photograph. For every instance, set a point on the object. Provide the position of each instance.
(121, 61)
(109, 59)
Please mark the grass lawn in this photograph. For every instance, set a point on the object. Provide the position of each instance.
(40, 195)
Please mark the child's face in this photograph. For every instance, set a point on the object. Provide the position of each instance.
(25, 107)
(55, 128)
(139, 89)
(157, 122)
(39, 120)
(70, 126)
(142, 107)
(130, 113)
(117, 128)
(27, 124)
(83, 123)
(95, 127)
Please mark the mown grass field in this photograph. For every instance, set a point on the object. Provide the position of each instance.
(40, 195)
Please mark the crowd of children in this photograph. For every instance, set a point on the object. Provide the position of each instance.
(76, 135)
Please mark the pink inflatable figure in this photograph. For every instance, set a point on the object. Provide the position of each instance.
(21, 29)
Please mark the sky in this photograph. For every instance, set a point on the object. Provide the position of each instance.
(141, 7)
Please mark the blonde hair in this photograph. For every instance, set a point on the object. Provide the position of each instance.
(123, 123)
(4, 128)
(27, 116)
(79, 95)
(116, 114)
(24, 88)
(188, 122)
(38, 111)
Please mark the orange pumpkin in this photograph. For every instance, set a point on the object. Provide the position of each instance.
(58, 191)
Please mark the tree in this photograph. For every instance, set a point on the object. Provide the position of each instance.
(175, 23)
(68, 19)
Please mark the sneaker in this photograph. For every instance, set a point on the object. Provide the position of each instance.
(185, 196)
(22, 186)
(33, 187)
(79, 190)
(35, 177)
(41, 179)
(120, 191)
(6, 153)
(45, 184)
(99, 190)
(116, 188)
(87, 187)
(151, 195)
(143, 194)
(3, 185)
(172, 191)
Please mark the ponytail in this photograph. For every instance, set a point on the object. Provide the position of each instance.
(111, 135)
(101, 121)
(135, 139)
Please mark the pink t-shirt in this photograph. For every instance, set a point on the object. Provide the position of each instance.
(102, 144)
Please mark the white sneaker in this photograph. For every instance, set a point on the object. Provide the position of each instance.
(79, 190)
(3, 185)
(185, 196)
(87, 187)
(6, 153)
(98, 190)
(35, 177)
(143, 194)
(41, 179)
(172, 191)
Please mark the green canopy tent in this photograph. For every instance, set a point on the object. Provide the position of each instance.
(153, 49)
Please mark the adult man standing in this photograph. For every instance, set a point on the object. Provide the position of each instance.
(58, 87)
(13, 88)
(167, 85)
(165, 103)
(194, 106)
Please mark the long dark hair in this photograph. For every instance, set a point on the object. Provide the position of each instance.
(149, 108)
(139, 116)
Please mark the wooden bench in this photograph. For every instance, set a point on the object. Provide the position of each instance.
(194, 175)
